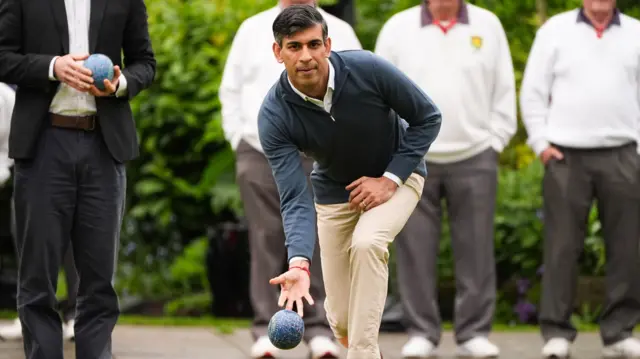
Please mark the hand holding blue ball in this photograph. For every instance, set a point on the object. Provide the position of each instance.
(101, 69)
(285, 329)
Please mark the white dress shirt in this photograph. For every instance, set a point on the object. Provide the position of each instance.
(7, 101)
(251, 70)
(67, 100)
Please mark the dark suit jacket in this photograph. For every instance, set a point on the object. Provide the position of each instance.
(32, 32)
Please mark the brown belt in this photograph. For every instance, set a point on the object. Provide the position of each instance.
(86, 123)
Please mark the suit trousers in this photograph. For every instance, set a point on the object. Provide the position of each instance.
(469, 189)
(67, 308)
(611, 176)
(355, 256)
(71, 193)
(268, 252)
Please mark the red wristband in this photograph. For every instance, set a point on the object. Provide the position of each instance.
(302, 268)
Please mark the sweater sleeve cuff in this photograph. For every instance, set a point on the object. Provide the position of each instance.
(4, 176)
(539, 146)
(394, 178)
(497, 145)
(400, 168)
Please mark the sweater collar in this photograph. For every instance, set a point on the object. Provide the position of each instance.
(427, 17)
(615, 19)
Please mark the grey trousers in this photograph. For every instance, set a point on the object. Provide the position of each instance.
(268, 253)
(612, 178)
(469, 188)
(71, 193)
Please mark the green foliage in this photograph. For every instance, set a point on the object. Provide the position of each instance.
(520, 19)
(183, 184)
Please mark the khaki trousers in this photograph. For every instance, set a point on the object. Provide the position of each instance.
(354, 255)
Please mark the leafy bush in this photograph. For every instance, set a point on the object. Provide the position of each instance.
(183, 184)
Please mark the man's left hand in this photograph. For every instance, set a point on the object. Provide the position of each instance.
(368, 192)
(110, 86)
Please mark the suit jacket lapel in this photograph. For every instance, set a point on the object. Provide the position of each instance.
(60, 17)
(97, 10)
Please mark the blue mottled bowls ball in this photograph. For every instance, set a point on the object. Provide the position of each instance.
(101, 68)
(285, 329)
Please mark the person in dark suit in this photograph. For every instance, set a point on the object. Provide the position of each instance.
(70, 142)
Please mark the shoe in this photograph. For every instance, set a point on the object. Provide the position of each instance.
(323, 347)
(556, 348)
(68, 330)
(12, 332)
(418, 347)
(478, 347)
(628, 348)
(263, 348)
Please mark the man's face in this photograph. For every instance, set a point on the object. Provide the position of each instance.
(599, 8)
(287, 3)
(437, 5)
(304, 56)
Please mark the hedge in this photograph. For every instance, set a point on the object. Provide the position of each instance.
(182, 186)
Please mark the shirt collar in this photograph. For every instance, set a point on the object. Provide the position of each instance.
(462, 18)
(330, 83)
(615, 20)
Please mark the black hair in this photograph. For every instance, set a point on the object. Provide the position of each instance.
(296, 18)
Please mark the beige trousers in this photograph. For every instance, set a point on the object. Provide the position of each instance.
(354, 255)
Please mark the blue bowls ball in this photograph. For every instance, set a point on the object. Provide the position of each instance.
(101, 68)
(285, 329)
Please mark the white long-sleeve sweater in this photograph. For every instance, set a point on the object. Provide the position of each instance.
(580, 90)
(468, 73)
(252, 69)
(7, 101)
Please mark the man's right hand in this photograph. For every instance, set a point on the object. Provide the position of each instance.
(69, 71)
(294, 286)
(549, 153)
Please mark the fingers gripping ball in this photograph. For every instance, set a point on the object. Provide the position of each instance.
(286, 329)
(101, 69)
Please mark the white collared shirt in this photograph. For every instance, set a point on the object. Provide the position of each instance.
(67, 100)
(327, 101)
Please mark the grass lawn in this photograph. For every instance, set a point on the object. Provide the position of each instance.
(226, 326)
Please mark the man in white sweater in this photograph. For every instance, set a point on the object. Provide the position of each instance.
(459, 54)
(580, 102)
(251, 70)
(7, 100)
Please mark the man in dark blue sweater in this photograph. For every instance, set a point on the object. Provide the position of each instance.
(368, 127)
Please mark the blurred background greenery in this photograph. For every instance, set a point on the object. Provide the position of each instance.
(182, 186)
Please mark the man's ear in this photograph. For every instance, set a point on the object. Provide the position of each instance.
(276, 52)
(327, 47)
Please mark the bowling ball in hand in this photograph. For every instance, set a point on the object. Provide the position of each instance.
(285, 329)
(101, 69)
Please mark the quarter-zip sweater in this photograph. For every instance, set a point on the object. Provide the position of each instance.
(380, 121)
